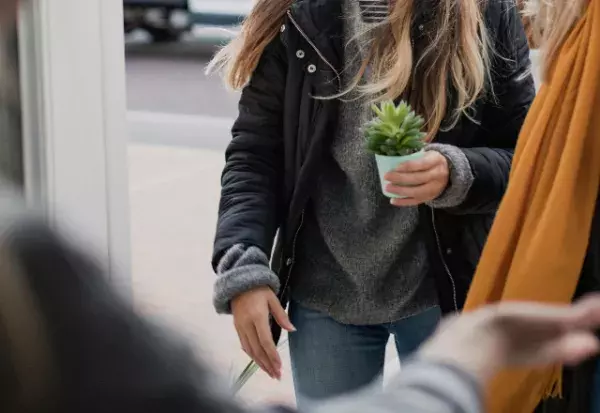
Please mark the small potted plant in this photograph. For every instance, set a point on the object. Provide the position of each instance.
(395, 137)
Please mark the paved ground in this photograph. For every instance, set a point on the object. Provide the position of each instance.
(173, 203)
(173, 81)
(179, 125)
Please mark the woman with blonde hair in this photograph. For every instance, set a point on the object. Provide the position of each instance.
(354, 267)
(545, 243)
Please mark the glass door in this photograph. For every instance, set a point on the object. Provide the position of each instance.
(74, 131)
(11, 151)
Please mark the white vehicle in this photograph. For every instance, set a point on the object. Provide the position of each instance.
(167, 20)
(164, 20)
(219, 12)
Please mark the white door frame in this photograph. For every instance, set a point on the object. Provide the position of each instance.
(74, 121)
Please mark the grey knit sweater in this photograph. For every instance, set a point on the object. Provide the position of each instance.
(358, 259)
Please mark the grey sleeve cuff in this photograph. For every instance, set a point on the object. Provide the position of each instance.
(442, 387)
(421, 387)
(461, 176)
(241, 269)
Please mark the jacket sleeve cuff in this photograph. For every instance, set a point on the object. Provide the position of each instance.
(241, 269)
(421, 386)
(461, 176)
(442, 385)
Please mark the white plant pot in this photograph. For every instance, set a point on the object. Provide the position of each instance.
(387, 164)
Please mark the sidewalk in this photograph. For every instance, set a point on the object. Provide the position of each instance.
(174, 196)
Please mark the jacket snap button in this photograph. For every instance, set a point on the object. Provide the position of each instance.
(300, 54)
(449, 251)
(421, 27)
(282, 28)
(289, 262)
(312, 68)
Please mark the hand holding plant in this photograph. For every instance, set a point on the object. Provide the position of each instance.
(419, 181)
(409, 175)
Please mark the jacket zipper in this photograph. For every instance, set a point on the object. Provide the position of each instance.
(315, 48)
(292, 260)
(441, 252)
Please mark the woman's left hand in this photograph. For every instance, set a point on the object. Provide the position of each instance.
(420, 181)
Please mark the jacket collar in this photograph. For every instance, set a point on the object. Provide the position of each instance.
(321, 21)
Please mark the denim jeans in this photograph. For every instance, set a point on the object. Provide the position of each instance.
(330, 358)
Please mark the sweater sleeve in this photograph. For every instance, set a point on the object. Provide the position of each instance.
(461, 176)
(421, 387)
(241, 269)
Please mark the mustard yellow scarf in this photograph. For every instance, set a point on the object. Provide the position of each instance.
(539, 240)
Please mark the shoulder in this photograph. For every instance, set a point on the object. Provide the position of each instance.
(505, 27)
(500, 8)
(323, 6)
(500, 14)
(318, 15)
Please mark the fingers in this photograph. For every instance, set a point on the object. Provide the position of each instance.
(280, 316)
(416, 172)
(576, 348)
(550, 334)
(420, 194)
(587, 313)
(260, 355)
(254, 346)
(405, 202)
(253, 327)
(412, 178)
(268, 349)
(419, 181)
(249, 323)
(430, 160)
(584, 314)
(571, 349)
(248, 349)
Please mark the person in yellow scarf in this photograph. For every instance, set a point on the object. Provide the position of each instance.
(544, 245)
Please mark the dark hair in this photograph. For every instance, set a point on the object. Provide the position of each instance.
(104, 357)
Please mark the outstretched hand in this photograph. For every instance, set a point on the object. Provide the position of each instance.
(517, 334)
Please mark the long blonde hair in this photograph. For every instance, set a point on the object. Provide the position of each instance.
(442, 83)
(552, 21)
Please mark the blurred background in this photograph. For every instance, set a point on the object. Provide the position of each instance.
(109, 124)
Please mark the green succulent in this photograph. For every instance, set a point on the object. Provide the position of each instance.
(395, 130)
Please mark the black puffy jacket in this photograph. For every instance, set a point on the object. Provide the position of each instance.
(282, 134)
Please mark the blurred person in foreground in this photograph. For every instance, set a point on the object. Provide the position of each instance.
(545, 242)
(70, 344)
(8, 10)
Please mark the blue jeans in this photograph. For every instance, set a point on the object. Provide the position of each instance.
(330, 359)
